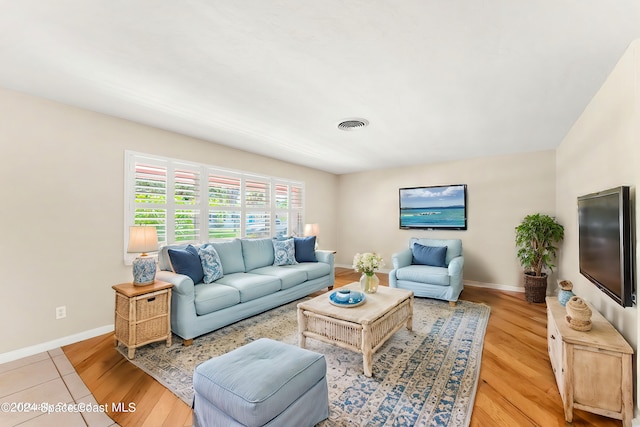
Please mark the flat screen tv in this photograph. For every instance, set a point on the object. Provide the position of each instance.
(442, 207)
(605, 242)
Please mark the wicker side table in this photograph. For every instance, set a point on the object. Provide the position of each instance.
(142, 314)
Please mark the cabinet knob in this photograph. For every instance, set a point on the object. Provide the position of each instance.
(553, 337)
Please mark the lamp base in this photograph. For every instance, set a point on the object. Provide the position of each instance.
(144, 270)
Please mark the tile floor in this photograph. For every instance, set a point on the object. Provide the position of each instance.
(46, 378)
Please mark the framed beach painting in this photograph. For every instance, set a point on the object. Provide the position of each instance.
(438, 207)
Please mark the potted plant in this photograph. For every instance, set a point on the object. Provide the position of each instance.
(536, 237)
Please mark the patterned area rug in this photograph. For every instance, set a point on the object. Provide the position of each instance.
(424, 377)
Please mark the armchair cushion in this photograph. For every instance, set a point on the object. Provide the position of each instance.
(429, 255)
(424, 274)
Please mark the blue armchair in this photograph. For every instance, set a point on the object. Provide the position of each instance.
(430, 268)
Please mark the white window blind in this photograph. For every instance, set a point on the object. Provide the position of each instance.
(193, 203)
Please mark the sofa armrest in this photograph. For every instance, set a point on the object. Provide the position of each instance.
(402, 258)
(325, 256)
(455, 266)
(182, 285)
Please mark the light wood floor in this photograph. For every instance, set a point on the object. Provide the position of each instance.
(516, 386)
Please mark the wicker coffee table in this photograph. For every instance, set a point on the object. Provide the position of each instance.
(363, 328)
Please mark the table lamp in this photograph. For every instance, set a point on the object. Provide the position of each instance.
(312, 230)
(143, 239)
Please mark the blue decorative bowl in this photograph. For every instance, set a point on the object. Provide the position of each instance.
(346, 298)
(343, 295)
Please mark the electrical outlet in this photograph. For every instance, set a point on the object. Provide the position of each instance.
(61, 312)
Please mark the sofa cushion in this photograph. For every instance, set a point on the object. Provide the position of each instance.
(257, 253)
(313, 270)
(305, 249)
(429, 255)
(251, 286)
(231, 256)
(288, 277)
(187, 261)
(284, 252)
(211, 265)
(214, 296)
(424, 274)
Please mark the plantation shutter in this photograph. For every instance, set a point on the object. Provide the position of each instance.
(258, 207)
(186, 193)
(150, 196)
(194, 203)
(296, 209)
(225, 204)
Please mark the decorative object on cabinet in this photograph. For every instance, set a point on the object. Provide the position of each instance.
(578, 314)
(565, 292)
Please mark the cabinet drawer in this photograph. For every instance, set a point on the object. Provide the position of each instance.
(151, 305)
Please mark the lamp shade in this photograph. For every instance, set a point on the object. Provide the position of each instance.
(312, 230)
(142, 239)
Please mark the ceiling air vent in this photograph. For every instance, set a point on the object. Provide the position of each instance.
(352, 124)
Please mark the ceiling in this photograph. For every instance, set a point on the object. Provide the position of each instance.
(438, 80)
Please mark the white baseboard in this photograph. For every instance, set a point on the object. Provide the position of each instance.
(493, 286)
(50, 345)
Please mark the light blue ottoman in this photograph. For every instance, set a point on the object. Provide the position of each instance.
(264, 383)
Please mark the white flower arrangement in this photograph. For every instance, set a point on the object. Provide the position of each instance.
(367, 263)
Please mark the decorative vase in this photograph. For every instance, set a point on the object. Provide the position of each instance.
(578, 314)
(369, 283)
(565, 293)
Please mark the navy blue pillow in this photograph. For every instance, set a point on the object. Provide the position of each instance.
(305, 249)
(187, 261)
(429, 255)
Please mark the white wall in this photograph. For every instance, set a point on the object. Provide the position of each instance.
(502, 190)
(62, 211)
(601, 151)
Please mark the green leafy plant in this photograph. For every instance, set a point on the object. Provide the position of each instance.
(536, 237)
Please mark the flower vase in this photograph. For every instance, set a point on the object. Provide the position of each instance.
(369, 283)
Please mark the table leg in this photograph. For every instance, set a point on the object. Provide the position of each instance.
(367, 351)
(302, 327)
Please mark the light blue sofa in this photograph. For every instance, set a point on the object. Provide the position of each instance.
(251, 285)
(442, 281)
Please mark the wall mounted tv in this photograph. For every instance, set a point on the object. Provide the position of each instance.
(442, 207)
(605, 242)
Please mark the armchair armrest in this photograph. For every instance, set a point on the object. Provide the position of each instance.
(402, 258)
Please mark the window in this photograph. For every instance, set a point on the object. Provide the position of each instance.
(191, 203)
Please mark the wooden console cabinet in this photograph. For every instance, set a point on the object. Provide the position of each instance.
(593, 368)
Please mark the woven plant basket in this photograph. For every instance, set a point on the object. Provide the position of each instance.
(535, 288)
